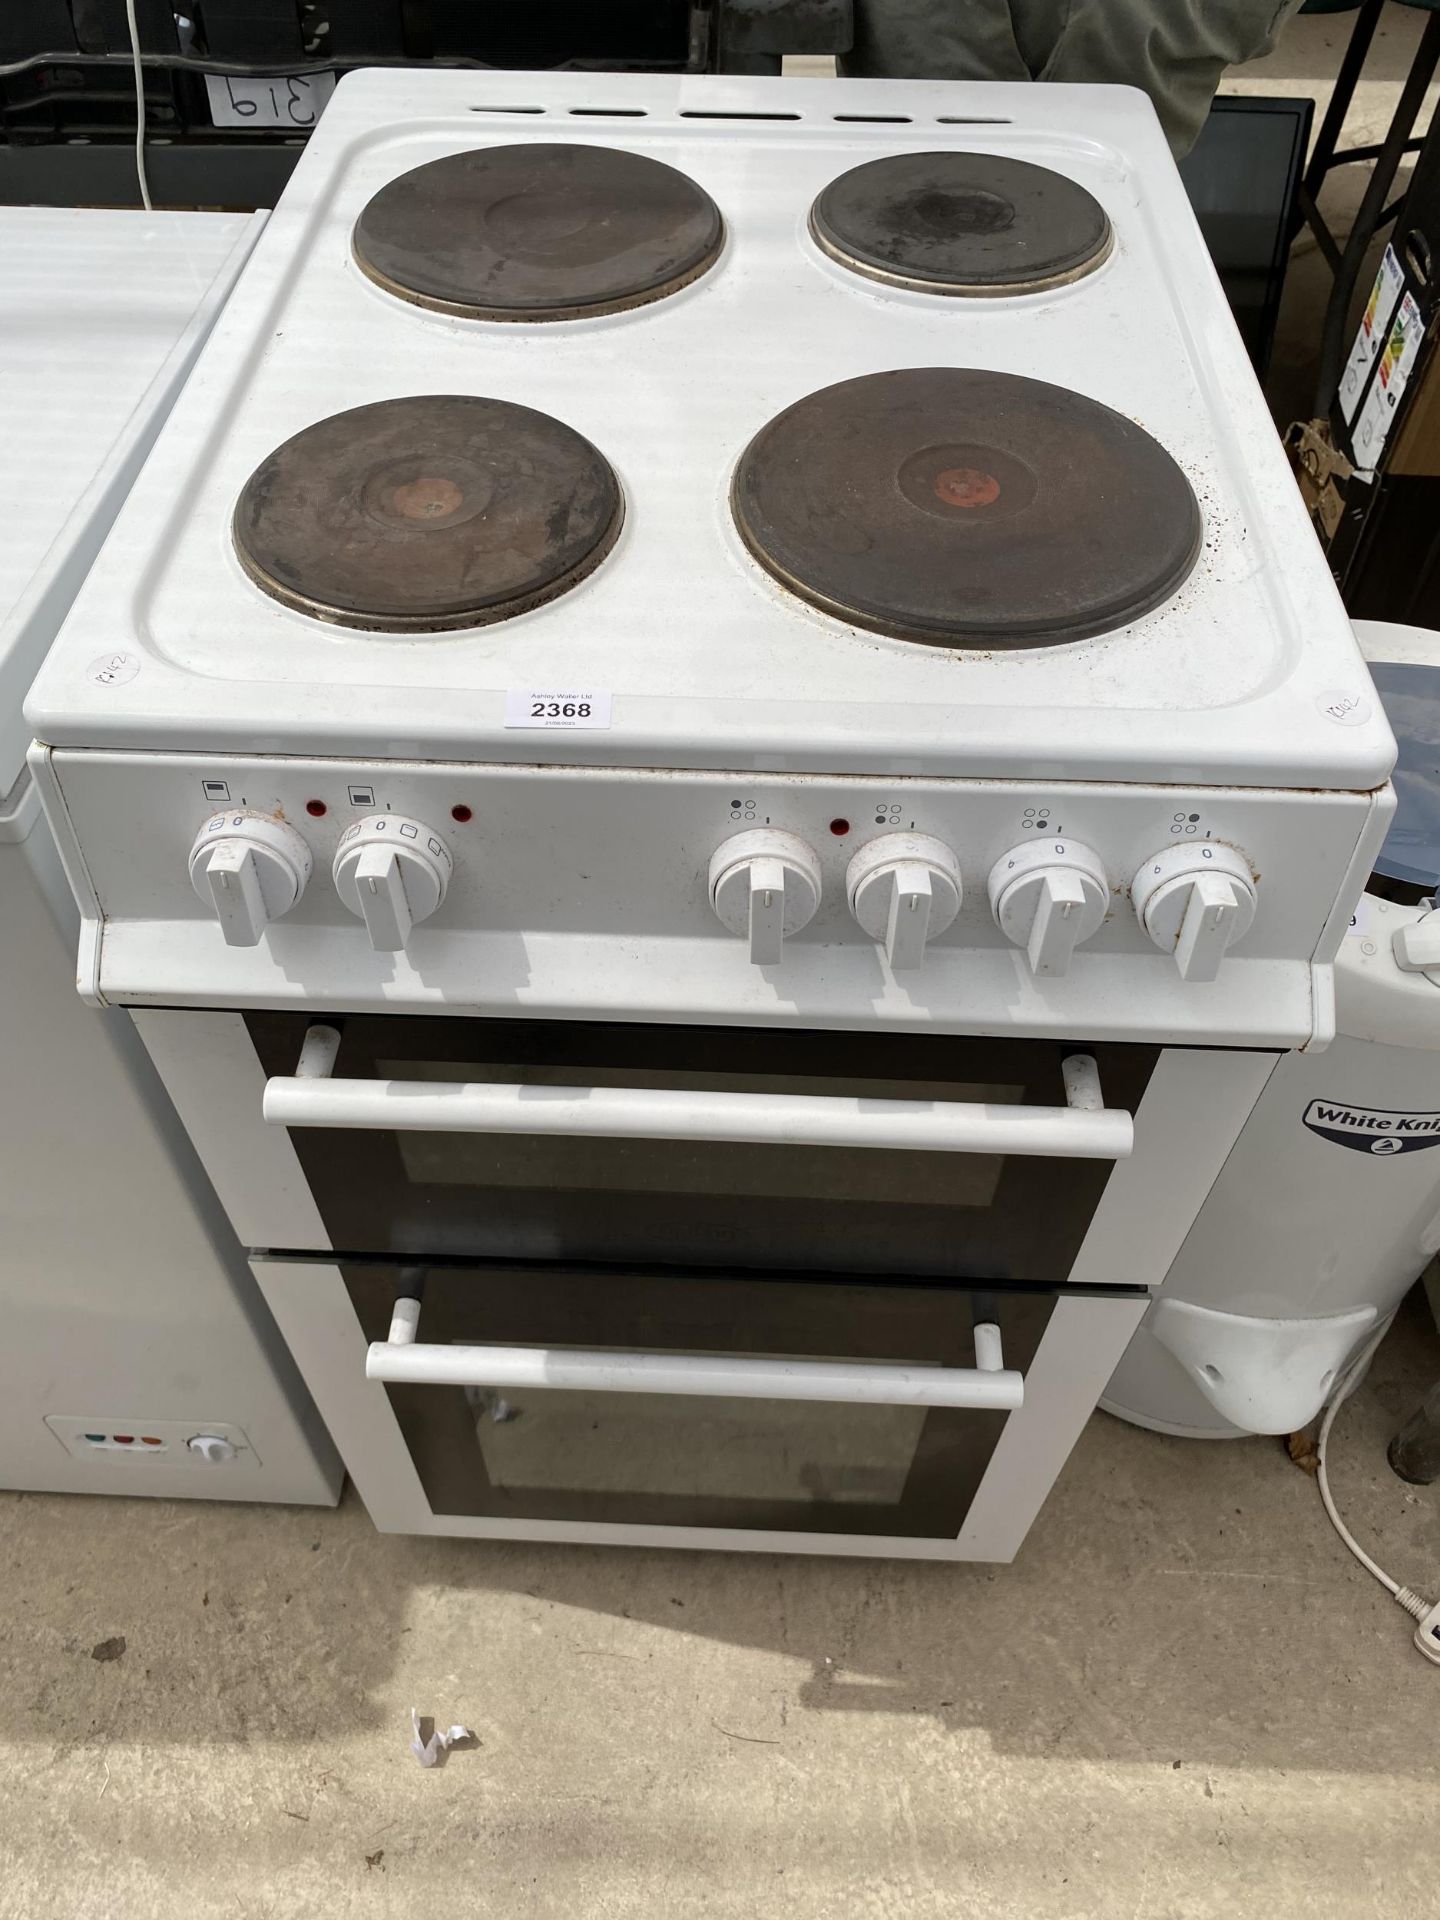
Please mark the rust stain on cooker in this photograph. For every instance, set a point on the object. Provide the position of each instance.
(966, 487)
(428, 498)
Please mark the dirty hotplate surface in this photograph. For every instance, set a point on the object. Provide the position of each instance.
(957, 508)
(427, 514)
(962, 223)
(537, 232)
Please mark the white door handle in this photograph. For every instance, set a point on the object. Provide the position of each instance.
(1083, 1129)
(989, 1386)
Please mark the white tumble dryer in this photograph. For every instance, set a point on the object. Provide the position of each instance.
(138, 1355)
(1328, 1208)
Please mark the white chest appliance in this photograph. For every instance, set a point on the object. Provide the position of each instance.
(717, 758)
(1328, 1210)
(138, 1355)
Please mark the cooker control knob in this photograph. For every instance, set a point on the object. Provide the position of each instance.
(903, 888)
(1047, 896)
(250, 868)
(393, 872)
(1195, 902)
(765, 884)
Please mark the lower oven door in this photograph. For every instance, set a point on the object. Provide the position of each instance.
(690, 1408)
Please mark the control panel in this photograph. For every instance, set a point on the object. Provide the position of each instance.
(481, 886)
(1047, 895)
(215, 1443)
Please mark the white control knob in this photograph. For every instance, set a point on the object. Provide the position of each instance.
(903, 889)
(765, 884)
(250, 868)
(1195, 902)
(393, 873)
(1047, 896)
(213, 1447)
(1416, 946)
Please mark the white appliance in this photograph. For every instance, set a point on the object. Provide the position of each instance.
(1328, 1210)
(138, 1355)
(715, 744)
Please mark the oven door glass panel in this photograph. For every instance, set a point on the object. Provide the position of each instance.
(965, 1216)
(647, 1459)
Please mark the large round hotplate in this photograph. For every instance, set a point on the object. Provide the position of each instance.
(961, 223)
(538, 232)
(425, 514)
(966, 509)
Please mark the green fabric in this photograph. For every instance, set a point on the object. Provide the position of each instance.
(1175, 50)
(1353, 6)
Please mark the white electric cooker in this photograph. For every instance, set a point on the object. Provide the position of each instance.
(718, 759)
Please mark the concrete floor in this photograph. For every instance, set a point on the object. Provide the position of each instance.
(1184, 1699)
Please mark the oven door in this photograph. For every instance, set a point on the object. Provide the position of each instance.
(926, 1155)
(694, 1287)
(822, 1414)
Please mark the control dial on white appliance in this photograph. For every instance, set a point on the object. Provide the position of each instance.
(250, 868)
(1195, 901)
(392, 872)
(1416, 946)
(765, 884)
(904, 888)
(1047, 896)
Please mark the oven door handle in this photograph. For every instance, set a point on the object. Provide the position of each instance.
(1083, 1129)
(989, 1386)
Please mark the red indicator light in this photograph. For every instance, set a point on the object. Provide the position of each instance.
(462, 814)
(838, 827)
(317, 809)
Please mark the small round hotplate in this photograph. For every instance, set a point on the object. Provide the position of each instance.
(426, 514)
(961, 223)
(966, 509)
(538, 232)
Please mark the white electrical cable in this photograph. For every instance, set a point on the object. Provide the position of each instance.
(1349, 1380)
(145, 200)
(1414, 1604)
